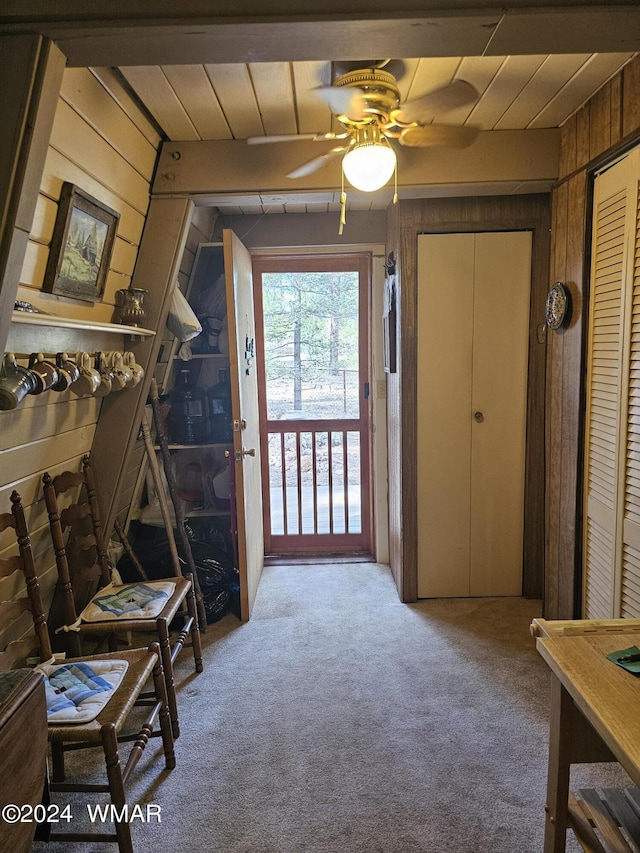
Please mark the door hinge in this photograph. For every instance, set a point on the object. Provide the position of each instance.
(366, 390)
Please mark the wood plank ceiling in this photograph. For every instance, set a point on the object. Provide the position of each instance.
(236, 101)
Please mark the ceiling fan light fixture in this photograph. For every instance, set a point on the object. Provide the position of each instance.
(370, 163)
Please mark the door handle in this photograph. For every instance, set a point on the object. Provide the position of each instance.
(479, 417)
(240, 454)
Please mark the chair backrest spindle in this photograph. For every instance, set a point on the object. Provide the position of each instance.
(16, 652)
(79, 542)
(96, 520)
(57, 538)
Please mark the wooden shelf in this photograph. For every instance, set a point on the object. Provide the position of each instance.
(224, 444)
(206, 513)
(202, 355)
(34, 319)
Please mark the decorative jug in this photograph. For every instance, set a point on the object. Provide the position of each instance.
(130, 304)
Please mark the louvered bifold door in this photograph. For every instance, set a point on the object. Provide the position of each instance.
(629, 592)
(607, 387)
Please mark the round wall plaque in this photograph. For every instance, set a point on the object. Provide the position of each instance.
(558, 306)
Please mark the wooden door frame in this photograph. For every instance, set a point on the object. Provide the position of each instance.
(328, 262)
(438, 215)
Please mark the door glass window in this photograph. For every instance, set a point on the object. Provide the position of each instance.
(311, 345)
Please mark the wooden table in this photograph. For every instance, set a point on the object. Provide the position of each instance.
(23, 752)
(595, 716)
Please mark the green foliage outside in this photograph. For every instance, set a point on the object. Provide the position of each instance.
(311, 344)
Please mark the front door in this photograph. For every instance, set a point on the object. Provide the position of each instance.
(313, 317)
(244, 405)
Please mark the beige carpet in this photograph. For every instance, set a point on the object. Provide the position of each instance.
(339, 720)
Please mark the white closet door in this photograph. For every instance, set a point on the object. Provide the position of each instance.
(629, 594)
(473, 320)
(607, 386)
(500, 360)
(445, 353)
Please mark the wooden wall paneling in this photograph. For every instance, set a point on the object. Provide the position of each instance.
(611, 116)
(13, 627)
(158, 263)
(44, 219)
(202, 224)
(59, 168)
(72, 136)
(97, 146)
(29, 485)
(569, 550)
(583, 137)
(568, 147)
(600, 122)
(130, 478)
(615, 85)
(30, 423)
(44, 560)
(534, 522)
(631, 97)
(38, 455)
(83, 92)
(112, 81)
(553, 425)
(37, 522)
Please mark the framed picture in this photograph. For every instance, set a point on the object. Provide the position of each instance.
(389, 317)
(81, 246)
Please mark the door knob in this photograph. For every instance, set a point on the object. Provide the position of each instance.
(479, 417)
(240, 454)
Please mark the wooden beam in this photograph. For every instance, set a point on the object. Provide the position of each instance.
(156, 32)
(30, 78)
(220, 167)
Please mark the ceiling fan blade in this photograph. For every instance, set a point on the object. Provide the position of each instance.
(315, 164)
(289, 137)
(438, 136)
(343, 101)
(457, 94)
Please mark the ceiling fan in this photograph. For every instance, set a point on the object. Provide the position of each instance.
(367, 103)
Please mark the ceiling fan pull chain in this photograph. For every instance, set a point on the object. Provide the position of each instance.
(395, 183)
(343, 207)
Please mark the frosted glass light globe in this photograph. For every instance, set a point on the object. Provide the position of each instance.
(369, 166)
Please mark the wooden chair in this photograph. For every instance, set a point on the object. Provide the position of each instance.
(106, 730)
(81, 543)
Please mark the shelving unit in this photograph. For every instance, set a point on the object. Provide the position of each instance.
(209, 456)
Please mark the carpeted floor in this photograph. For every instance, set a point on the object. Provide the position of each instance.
(339, 720)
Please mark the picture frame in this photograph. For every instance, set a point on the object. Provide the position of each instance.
(81, 246)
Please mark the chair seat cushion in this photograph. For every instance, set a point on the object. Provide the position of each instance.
(128, 601)
(77, 692)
